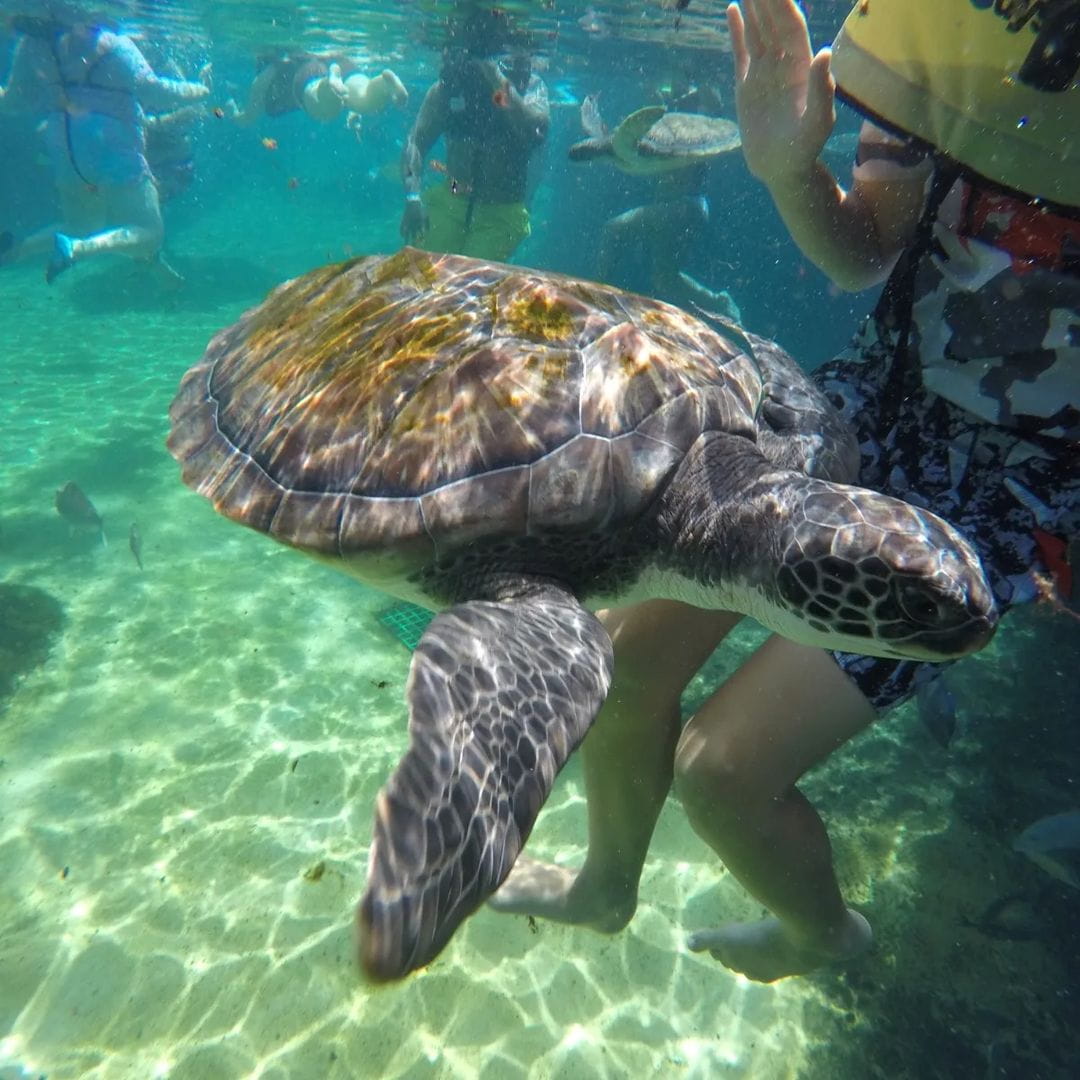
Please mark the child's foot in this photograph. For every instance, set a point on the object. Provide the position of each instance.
(763, 951)
(63, 256)
(553, 892)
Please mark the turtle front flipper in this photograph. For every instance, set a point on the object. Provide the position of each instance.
(500, 694)
(591, 149)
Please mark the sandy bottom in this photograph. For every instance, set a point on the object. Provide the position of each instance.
(186, 789)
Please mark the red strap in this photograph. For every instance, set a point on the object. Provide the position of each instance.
(1054, 552)
(1029, 233)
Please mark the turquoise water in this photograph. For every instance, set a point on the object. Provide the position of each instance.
(187, 777)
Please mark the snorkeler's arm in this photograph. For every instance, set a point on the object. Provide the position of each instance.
(427, 128)
(176, 119)
(536, 110)
(784, 98)
(154, 92)
(528, 114)
(853, 236)
(23, 79)
(255, 108)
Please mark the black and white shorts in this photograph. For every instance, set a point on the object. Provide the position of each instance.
(995, 486)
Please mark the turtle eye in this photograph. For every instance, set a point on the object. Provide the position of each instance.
(918, 605)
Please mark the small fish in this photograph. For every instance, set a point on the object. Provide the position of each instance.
(135, 543)
(501, 98)
(437, 166)
(937, 710)
(219, 112)
(293, 183)
(1030, 501)
(1053, 843)
(270, 144)
(78, 511)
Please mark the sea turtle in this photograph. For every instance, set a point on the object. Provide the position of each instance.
(513, 448)
(653, 140)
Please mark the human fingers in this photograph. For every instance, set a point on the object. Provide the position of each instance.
(770, 15)
(821, 90)
(790, 32)
(737, 30)
(754, 29)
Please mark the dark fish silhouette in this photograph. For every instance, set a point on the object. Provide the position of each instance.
(1054, 844)
(135, 543)
(938, 710)
(1016, 917)
(78, 511)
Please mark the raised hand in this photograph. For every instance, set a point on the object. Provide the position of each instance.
(783, 91)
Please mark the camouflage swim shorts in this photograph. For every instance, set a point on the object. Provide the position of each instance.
(997, 487)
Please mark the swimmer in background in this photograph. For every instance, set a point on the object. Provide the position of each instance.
(492, 116)
(321, 85)
(92, 84)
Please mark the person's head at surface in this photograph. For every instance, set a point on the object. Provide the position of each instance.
(50, 18)
(517, 66)
(480, 34)
(480, 38)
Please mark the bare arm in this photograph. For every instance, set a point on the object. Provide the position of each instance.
(427, 128)
(22, 81)
(156, 93)
(184, 117)
(255, 108)
(853, 236)
(528, 114)
(785, 103)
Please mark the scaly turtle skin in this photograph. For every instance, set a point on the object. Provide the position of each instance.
(653, 140)
(513, 448)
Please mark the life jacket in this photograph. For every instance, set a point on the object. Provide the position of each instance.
(993, 84)
(992, 87)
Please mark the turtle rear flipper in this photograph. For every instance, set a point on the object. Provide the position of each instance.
(500, 694)
(592, 123)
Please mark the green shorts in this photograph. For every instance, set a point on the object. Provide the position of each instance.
(493, 231)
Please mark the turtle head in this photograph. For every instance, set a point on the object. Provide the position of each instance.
(870, 574)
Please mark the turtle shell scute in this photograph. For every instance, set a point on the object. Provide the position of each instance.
(437, 398)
